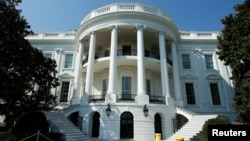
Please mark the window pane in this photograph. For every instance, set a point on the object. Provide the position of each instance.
(68, 61)
(126, 87)
(190, 93)
(104, 86)
(209, 62)
(148, 87)
(186, 61)
(64, 92)
(215, 93)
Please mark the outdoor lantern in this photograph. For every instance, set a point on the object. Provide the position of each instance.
(108, 110)
(145, 110)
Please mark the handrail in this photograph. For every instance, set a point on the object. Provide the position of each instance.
(132, 52)
(131, 7)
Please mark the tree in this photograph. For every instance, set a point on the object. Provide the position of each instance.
(234, 50)
(22, 68)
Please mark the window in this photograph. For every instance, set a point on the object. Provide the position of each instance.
(68, 61)
(215, 94)
(190, 93)
(186, 61)
(48, 55)
(104, 86)
(209, 61)
(148, 87)
(126, 50)
(126, 87)
(64, 91)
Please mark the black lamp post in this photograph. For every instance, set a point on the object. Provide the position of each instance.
(108, 110)
(145, 110)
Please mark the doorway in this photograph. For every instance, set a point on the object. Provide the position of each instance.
(96, 125)
(158, 128)
(127, 125)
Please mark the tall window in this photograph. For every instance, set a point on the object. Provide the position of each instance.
(190, 93)
(186, 61)
(104, 86)
(68, 61)
(126, 87)
(148, 86)
(64, 91)
(209, 61)
(215, 94)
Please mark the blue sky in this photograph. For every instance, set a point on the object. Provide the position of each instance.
(65, 15)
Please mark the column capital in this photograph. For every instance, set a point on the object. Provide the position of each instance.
(140, 26)
(91, 33)
(113, 26)
(161, 33)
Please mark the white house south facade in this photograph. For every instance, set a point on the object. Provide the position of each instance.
(128, 72)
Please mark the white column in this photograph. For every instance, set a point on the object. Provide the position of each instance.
(111, 94)
(75, 98)
(141, 77)
(90, 68)
(177, 84)
(164, 70)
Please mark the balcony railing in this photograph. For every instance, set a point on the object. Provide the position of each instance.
(156, 99)
(126, 97)
(132, 52)
(97, 97)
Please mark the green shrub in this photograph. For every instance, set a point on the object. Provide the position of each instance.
(214, 121)
(29, 124)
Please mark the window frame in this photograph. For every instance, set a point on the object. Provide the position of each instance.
(61, 91)
(209, 63)
(188, 95)
(218, 94)
(65, 60)
(185, 62)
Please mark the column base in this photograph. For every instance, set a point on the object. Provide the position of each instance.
(74, 101)
(84, 100)
(179, 103)
(142, 99)
(169, 101)
(110, 98)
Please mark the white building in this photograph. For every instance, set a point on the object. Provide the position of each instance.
(131, 57)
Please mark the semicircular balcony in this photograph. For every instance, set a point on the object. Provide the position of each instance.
(126, 58)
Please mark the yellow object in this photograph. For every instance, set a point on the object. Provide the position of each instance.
(179, 139)
(157, 137)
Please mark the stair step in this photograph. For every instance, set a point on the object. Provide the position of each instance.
(59, 121)
(191, 128)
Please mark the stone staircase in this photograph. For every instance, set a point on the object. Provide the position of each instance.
(191, 128)
(59, 123)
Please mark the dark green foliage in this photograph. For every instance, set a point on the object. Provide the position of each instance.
(22, 67)
(7, 136)
(32, 122)
(215, 121)
(234, 50)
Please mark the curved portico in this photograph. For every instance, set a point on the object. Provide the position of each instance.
(112, 41)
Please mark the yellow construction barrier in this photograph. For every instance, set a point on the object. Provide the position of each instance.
(179, 139)
(157, 137)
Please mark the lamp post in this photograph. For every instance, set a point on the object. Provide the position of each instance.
(145, 110)
(108, 110)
